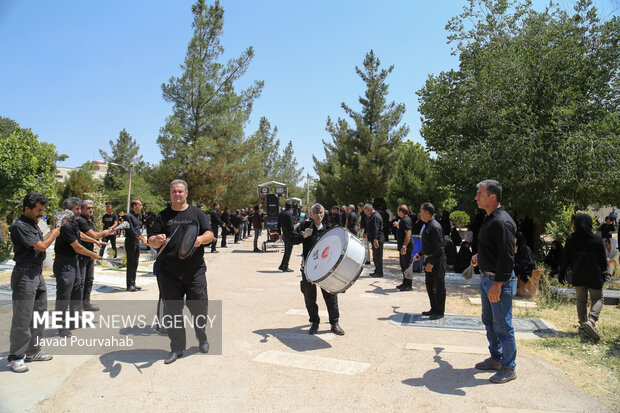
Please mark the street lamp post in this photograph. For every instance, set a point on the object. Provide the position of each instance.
(129, 187)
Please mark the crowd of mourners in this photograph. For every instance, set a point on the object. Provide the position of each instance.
(427, 241)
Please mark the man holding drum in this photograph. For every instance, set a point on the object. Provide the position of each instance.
(182, 231)
(308, 233)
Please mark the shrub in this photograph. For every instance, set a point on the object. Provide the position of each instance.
(459, 218)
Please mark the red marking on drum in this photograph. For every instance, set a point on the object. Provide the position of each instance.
(325, 252)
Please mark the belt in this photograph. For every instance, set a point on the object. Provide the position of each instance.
(28, 265)
(487, 273)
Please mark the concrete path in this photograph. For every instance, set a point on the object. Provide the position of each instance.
(270, 363)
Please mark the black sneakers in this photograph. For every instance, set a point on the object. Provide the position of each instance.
(489, 364)
(503, 375)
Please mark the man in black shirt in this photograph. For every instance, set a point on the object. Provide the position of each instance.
(405, 245)
(182, 274)
(66, 267)
(27, 283)
(374, 235)
(607, 228)
(133, 237)
(334, 217)
(226, 226)
(215, 224)
(498, 284)
(362, 218)
(344, 216)
(285, 229)
(110, 221)
(257, 223)
(434, 262)
(308, 289)
(352, 220)
(87, 266)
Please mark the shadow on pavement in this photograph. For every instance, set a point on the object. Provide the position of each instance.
(380, 290)
(394, 316)
(296, 338)
(141, 359)
(445, 379)
(269, 271)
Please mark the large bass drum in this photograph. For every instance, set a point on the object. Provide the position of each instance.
(336, 260)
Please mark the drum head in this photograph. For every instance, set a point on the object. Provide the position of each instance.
(325, 254)
(186, 246)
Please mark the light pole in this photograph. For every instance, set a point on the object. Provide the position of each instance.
(129, 188)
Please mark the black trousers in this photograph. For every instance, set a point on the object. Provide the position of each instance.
(29, 297)
(257, 234)
(377, 258)
(331, 301)
(68, 286)
(214, 242)
(224, 233)
(112, 240)
(436, 286)
(132, 249)
(173, 288)
(405, 261)
(288, 249)
(87, 277)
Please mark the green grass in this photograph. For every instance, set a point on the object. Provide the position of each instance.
(593, 366)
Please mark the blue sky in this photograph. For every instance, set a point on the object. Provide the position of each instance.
(78, 72)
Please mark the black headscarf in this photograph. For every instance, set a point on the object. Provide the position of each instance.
(524, 259)
(583, 225)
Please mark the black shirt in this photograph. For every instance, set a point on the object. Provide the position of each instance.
(404, 225)
(496, 244)
(167, 222)
(606, 230)
(69, 233)
(309, 242)
(285, 222)
(374, 227)
(108, 220)
(24, 234)
(135, 228)
(352, 222)
(432, 242)
(363, 220)
(85, 224)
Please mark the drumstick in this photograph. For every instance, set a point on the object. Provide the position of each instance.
(166, 241)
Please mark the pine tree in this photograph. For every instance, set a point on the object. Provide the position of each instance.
(125, 152)
(203, 140)
(359, 160)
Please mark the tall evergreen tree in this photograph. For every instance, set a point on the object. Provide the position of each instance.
(415, 179)
(203, 140)
(126, 152)
(360, 159)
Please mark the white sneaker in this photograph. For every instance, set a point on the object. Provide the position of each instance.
(19, 366)
(39, 356)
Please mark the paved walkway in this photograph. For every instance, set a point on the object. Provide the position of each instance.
(270, 363)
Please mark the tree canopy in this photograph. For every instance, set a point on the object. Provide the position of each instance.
(26, 165)
(203, 140)
(534, 104)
